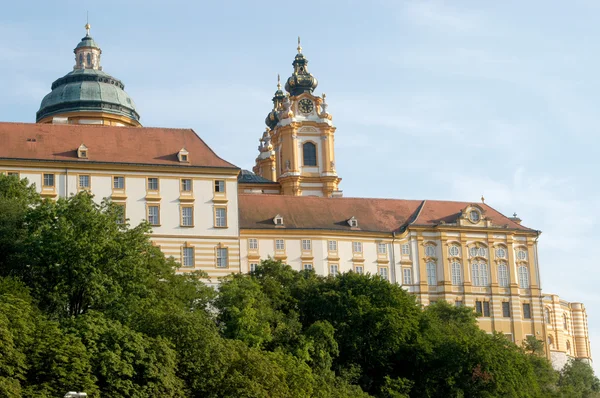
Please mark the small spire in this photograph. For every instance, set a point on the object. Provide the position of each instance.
(299, 46)
(278, 82)
(515, 214)
(482, 199)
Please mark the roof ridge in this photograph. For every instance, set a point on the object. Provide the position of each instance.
(100, 126)
(213, 152)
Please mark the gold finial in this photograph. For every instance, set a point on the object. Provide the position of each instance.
(482, 199)
(278, 82)
(299, 46)
(87, 23)
(324, 96)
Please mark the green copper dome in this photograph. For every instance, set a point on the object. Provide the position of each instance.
(87, 90)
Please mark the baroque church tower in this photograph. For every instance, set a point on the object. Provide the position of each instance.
(297, 148)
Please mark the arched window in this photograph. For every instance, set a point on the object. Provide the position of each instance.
(475, 272)
(523, 277)
(309, 151)
(502, 275)
(547, 315)
(80, 59)
(431, 274)
(89, 59)
(550, 341)
(565, 322)
(568, 346)
(456, 274)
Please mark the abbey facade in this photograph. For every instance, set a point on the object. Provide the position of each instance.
(211, 216)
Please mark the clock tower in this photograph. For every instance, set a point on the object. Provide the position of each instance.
(297, 150)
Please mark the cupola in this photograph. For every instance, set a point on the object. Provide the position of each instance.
(88, 95)
(301, 80)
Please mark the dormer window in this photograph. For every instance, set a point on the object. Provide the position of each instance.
(82, 152)
(278, 220)
(183, 155)
(353, 222)
(474, 216)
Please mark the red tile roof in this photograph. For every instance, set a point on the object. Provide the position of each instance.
(374, 215)
(106, 144)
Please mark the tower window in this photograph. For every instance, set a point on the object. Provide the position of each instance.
(309, 151)
(89, 60)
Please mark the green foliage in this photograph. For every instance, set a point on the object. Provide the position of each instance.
(577, 380)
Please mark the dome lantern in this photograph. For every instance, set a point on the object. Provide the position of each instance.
(301, 80)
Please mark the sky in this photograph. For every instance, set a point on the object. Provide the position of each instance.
(441, 100)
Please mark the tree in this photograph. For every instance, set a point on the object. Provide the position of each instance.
(577, 380)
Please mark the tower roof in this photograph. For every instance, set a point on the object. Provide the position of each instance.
(87, 88)
(301, 80)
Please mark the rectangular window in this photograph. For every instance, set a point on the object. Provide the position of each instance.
(486, 308)
(220, 217)
(222, 257)
(253, 267)
(153, 215)
(431, 274)
(506, 309)
(508, 336)
(253, 244)
(332, 245)
(383, 273)
(502, 275)
(84, 181)
(357, 247)
(306, 244)
(405, 249)
(118, 182)
(188, 256)
(13, 174)
(307, 266)
(48, 180)
(219, 185)
(526, 311)
(121, 213)
(152, 184)
(407, 276)
(479, 307)
(333, 269)
(187, 216)
(458, 303)
(279, 244)
(186, 185)
(381, 248)
(359, 269)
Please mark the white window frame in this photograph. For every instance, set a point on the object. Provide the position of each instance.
(118, 182)
(48, 180)
(381, 248)
(253, 266)
(332, 245)
(184, 185)
(253, 244)
(220, 217)
(503, 280)
(430, 251)
(334, 269)
(431, 268)
(454, 251)
(359, 269)
(219, 186)
(357, 247)
(384, 273)
(456, 269)
(307, 266)
(149, 186)
(523, 272)
(154, 217)
(279, 244)
(306, 245)
(222, 257)
(187, 220)
(407, 276)
(187, 254)
(405, 249)
(85, 181)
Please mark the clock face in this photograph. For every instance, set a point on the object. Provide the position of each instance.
(305, 106)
